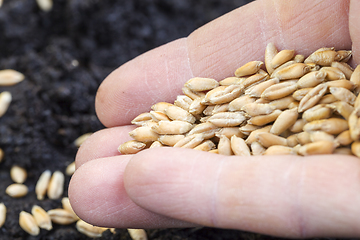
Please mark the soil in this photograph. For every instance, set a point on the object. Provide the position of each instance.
(65, 54)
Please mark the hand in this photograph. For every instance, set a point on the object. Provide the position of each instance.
(284, 196)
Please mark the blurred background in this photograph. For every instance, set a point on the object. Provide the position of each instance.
(65, 53)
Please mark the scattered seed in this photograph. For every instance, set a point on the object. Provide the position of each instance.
(248, 69)
(9, 77)
(56, 185)
(42, 184)
(131, 147)
(16, 190)
(2, 214)
(41, 217)
(18, 174)
(62, 216)
(198, 84)
(45, 5)
(5, 100)
(70, 169)
(137, 234)
(89, 230)
(28, 224)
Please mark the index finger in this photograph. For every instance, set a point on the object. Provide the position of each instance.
(217, 49)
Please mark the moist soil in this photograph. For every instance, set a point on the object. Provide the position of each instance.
(65, 54)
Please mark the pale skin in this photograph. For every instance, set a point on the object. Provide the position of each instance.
(283, 196)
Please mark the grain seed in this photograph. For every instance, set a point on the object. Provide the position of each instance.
(257, 148)
(344, 138)
(144, 134)
(183, 101)
(294, 71)
(317, 112)
(131, 147)
(89, 230)
(238, 103)
(197, 107)
(18, 174)
(268, 139)
(282, 103)
(2, 214)
(303, 138)
(222, 94)
(156, 144)
(342, 83)
(224, 146)
(252, 137)
(45, 5)
(282, 57)
(248, 69)
(5, 100)
(56, 185)
(342, 94)
(331, 125)
(28, 224)
(16, 190)
(229, 132)
(255, 109)
(279, 150)
(62, 216)
(327, 98)
(239, 147)
(312, 97)
(258, 89)
(342, 108)
(284, 121)
(232, 81)
(170, 140)
(323, 57)
(198, 84)
(354, 124)
(262, 120)
(177, 113)
(41, 217)
(227, 119)
(159, 116)
(137, 234)
(205, 146)
(311, 79)
(192, 94)
(9, 77)
(270, 53)
(160, 106)
(355, 148)
(333, 73)
(321, 136)
(355, 79)
(320, 147)
(190, 141)
(42, 184)
(70, 169)
(172, 127)
(344, 67)
(279, 90)
(254, 80)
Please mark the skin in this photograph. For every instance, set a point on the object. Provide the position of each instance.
(287, 196)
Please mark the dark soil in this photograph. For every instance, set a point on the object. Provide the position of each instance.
(65, 54)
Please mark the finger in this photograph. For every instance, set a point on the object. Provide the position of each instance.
(97, 195)
(217, 49)
(102, 144)
(288, 196)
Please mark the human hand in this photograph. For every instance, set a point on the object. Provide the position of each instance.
(284, 196)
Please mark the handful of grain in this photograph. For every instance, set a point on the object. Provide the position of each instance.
(301, 106)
